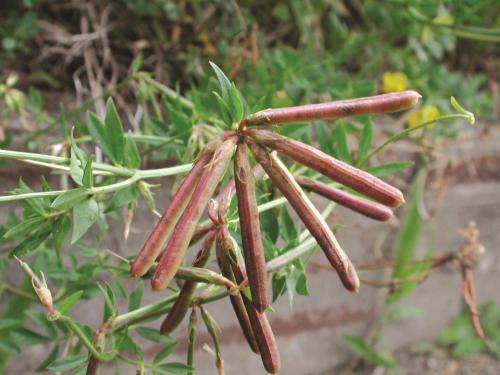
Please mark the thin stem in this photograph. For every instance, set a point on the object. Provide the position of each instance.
(100, 356)
(405, 132)
(17, 291)
(172, 94)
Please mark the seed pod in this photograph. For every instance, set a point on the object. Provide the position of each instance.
(261, 328)
(226, 257)
(328, 166)
(250, 229)
(363, 206)
(385, 103)
(173, 254)
(312, 219)
(151, 248)
(182, 303)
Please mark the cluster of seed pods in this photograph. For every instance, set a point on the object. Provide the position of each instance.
(179, 222)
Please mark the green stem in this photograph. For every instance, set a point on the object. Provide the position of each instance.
(172, 94)
(100, 356)
(16, 291)
(405, 132)
(19, 155)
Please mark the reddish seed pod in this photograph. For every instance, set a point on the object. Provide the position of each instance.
(328, 166)
(312, 219)
(250, 229)
(363, 206)
(152, 246)
(226, 257)
(183, 302)
(261, 328)
(173, 254)
(371, 105)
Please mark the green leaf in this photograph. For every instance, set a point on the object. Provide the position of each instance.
(109, 298)
(342, 145)
(388, 169)
(136, 297)
(51, 357)
(69, 198)
(40, 319)
(236, 104)
(224, 111)
(365, 141)
(359, 346)
(278, 286)
(66, 304)
(88, 177)
(98, 134)
(154, 335)
(114, 132)
(60, 230)
(224, 82)
(24, 227)
(121, 198)
(33, 242)
(131, 156)
(175, 368)
(301, 287)
(85, 214)
(24, 336)
(77, 161)
(407, 241)
(288, 231)
(68, 363)
(165, 352)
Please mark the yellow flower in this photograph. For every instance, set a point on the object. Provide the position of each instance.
(394, 81)
(423, 114)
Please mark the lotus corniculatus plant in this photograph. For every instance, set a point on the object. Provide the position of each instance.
(252, 137)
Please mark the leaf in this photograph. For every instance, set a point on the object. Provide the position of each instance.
(121, 198)
(77, 161)
(24, 227)
(68, 363)
(136, 297)
(165, 352)
(98, 134)
(291, 279)
(359, 346)
(109, 298)
(24, 337)
(40, 319)
(154, 335)
(69, 198)
(407, 241)
(66, 304)
(33, 242)
(84, 216)
(365, 141)
(51, 357)
(114, 132)
(224, 82)
(175, 368)
(131, 157)
(88, 177)
(59, 232)
(388, 169)
(288, 231)
(235, 104)
(224, 111)
(342, 146)
(278, 286)
(301, 287)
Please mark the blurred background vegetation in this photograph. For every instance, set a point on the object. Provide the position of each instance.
(279, 52)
